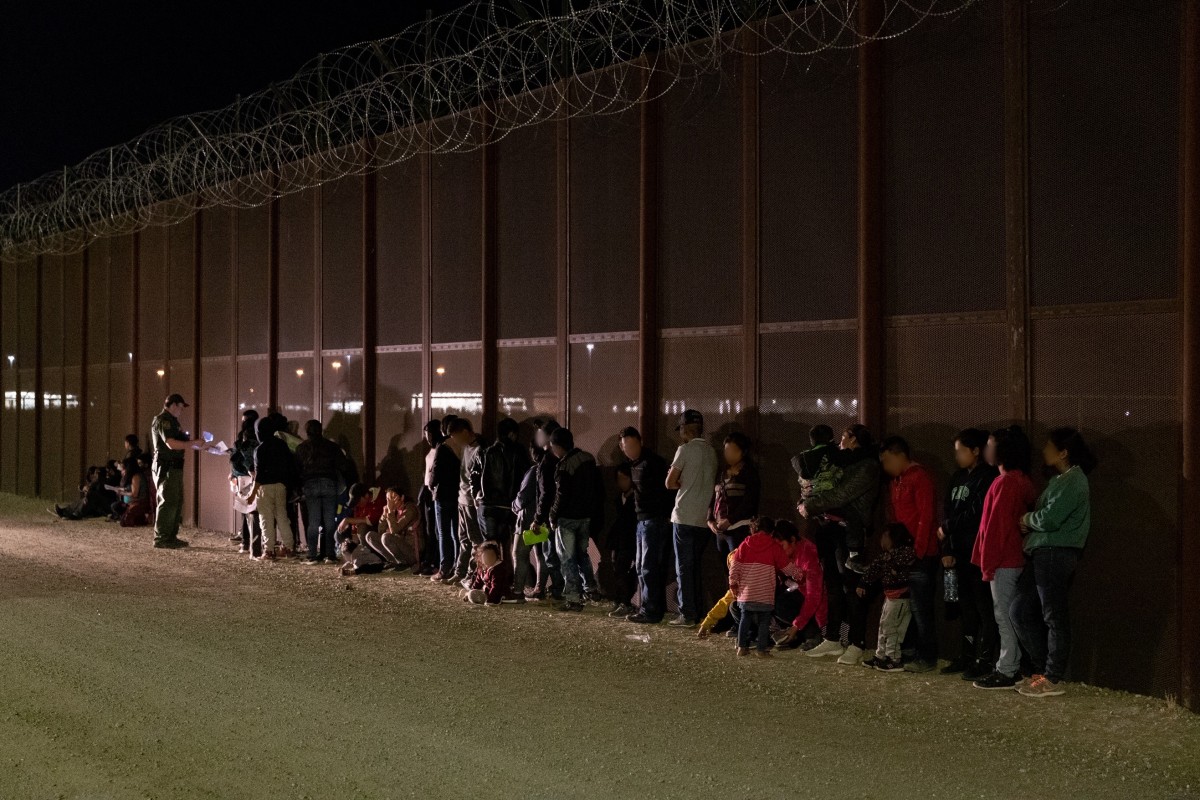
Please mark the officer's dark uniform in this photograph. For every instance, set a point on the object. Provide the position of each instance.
(168, 475)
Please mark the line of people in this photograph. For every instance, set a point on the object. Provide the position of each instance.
(503, 523)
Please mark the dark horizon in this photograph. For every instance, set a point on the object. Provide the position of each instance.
(78, 79)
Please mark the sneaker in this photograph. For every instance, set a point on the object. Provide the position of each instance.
(451, 580)
(570, 605)
(1041, 686)
(680, 621)
(328, 560)
(976, 671)
(312, 562)
(742, 651)
(855, 564)
(890, 665)
(466, 582)
(620, 610)
(826, 648)
(641, 619)
(764, 654)
(437, 577)
(917, 665)
(513, 597)
(538, 596)
(874, 662)
(850, 656)
(731, 633)
(956, 666)
(171, 544)
(593, 597)
(996, 680)
(286, 552)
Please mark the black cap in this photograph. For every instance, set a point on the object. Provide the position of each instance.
(690, 417)
(173, 400)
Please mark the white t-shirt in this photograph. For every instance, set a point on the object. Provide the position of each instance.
(696, 462)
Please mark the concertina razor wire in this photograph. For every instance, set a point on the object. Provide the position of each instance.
(452, 83)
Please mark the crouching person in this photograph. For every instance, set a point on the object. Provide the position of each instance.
(357, 557)
(398, 538)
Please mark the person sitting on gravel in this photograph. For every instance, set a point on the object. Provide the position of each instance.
(359, 511)
(492, 577)
(399, 535)
(93, 498)
(357, 557)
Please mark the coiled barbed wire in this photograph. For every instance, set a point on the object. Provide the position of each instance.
(451, 83)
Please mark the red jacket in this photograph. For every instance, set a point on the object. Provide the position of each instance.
(999, 542)
(369, 509)
(812, 584)
(914, 503)
(752, 573)
(495, 582)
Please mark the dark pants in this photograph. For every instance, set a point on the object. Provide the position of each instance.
(551, 576)
(981, 637)
(320, 500)
(625, 572)
(922, 587)
(430, 551)
(730, 540)
(446, 515)
(753, 619)
(1039, 611)
(497, 525)
(690, 542)
(652, 537)
(840, 585)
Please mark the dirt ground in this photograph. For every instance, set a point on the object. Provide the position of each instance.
(130, 672)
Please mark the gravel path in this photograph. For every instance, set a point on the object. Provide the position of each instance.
(130, 672)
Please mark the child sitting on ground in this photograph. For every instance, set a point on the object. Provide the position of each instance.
(752, 581)
(357, 557)
(891, 570)
(493, 576)
(721, 609)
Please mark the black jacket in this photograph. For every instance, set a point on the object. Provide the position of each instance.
(497, 473)
(547, 490)
(525, 503)
(964, 509)
(651, 497)
(321, 458)
(274, 463)
(579, 492)
(446, 467)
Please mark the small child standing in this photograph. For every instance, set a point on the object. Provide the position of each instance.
(721, 609)
(891, 570)
(752, 581)
(492, 578)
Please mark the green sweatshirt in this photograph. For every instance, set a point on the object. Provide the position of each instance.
(1063, 513)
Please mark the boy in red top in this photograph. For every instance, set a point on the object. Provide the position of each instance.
(914, 505)
(752, 581)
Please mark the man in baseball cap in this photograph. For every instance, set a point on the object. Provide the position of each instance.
(168, 444)
(693, 474)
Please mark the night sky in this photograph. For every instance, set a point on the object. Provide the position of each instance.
(76, 78)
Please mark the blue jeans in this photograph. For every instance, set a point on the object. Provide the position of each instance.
(571, 538)
(756, 617)
(690, 541)
(922, 587)
(551, 574)
(446, 515)
(1039, 612)
(320, 504)
(497, 525)
(652, 574)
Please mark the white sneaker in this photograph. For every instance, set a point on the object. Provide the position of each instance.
(851, 656)
(826, 648)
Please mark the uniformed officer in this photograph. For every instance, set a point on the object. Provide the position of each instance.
(169, 445)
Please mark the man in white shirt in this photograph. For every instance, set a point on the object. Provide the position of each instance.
(693, 474)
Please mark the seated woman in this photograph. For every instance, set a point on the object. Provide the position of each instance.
(398, 537)
(93, 498)
(135, 495)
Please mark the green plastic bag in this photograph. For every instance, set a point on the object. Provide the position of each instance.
(532, 537)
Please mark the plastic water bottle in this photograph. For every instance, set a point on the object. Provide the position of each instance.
(951, 585)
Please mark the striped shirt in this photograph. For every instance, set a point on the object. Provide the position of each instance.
(752, 573)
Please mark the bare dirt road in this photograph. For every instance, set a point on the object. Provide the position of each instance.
(128, 672)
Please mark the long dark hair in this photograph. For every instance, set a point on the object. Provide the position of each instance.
(1078, 452)
(1013, 450)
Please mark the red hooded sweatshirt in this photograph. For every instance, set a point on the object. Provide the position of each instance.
(998, 544)
(914, 503)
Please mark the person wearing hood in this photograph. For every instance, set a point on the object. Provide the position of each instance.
(752, 571)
